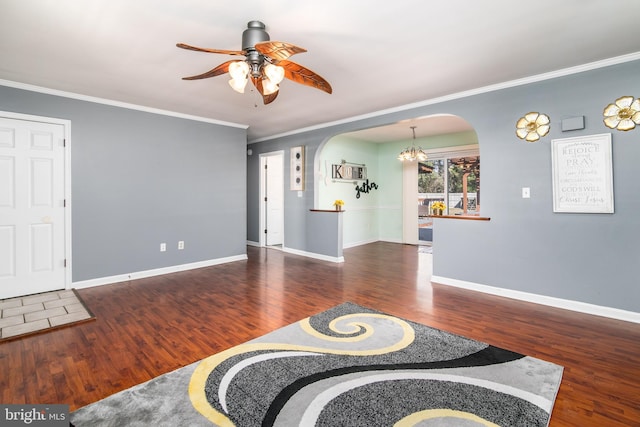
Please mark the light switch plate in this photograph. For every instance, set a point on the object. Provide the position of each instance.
(526, 192)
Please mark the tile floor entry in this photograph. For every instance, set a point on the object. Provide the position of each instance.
(35, 313)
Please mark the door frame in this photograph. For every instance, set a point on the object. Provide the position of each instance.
(262, 193)
(66, 124)
(409, 206)
(410, 187)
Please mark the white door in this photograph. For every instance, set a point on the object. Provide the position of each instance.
(32, 212)
(273, 200)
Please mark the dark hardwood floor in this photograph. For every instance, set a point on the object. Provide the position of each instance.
(148, 327)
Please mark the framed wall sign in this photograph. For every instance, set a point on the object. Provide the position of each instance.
(297, 168)
(349, 171)
(582, 174)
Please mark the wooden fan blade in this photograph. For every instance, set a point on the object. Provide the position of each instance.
(220, 69)
(204, 49)
(267, 99)
(257, 82)
(278, 51)
(305, 76)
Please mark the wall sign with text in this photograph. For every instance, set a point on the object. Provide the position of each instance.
(582, 174)
(349, 171)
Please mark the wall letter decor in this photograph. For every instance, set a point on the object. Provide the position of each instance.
(349, 171)
(365, 187)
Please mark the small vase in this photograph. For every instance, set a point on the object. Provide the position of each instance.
(437, 212)
(338, 207)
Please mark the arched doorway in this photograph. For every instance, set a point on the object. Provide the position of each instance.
(389, 213)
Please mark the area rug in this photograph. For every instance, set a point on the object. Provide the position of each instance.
(347, 366)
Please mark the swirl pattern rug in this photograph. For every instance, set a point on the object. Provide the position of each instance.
(347, 366)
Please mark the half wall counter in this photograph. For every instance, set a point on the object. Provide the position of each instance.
(324, 234)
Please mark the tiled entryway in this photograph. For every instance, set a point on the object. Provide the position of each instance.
(34, 313)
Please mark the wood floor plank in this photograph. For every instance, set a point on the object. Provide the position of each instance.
(151, 326)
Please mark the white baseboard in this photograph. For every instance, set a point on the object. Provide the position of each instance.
(155, 272)
(360, 243)
(313, 255)
(303, 253)
(582, 307)
(390, 240)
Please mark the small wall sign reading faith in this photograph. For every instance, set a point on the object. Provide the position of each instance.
(365, 188)
(582, 174)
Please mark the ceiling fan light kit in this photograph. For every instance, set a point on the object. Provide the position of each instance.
(275, 73)
(266, 64)
(239, 72)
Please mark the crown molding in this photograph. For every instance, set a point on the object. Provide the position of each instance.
(464, 94)
(458, 95)
(55, 92)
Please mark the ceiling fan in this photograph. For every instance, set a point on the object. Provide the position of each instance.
(266, 64)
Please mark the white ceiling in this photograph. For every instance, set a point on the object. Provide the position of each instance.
(376, 55)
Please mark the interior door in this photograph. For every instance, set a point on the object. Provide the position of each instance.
(273, 181)
(32, 212)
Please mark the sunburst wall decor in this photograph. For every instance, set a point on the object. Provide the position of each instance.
(624, 114)
(533, 126)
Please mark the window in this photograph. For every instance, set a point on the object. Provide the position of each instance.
(453, 178)
(463, 185)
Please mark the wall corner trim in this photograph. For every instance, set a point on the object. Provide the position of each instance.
(313, 255)
(155, 272)
(582, 307)
(360, 243)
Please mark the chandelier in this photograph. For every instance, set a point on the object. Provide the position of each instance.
(413, 153)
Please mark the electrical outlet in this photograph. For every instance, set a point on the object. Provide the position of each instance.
(163, 247)
(181, 244)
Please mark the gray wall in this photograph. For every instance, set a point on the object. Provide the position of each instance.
(139, 179)
(526, 247)
(324, 233)
(296, 208)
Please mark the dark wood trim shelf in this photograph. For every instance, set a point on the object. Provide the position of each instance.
(469, 217)
(326, 210)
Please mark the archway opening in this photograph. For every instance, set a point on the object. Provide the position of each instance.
(390, 212)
